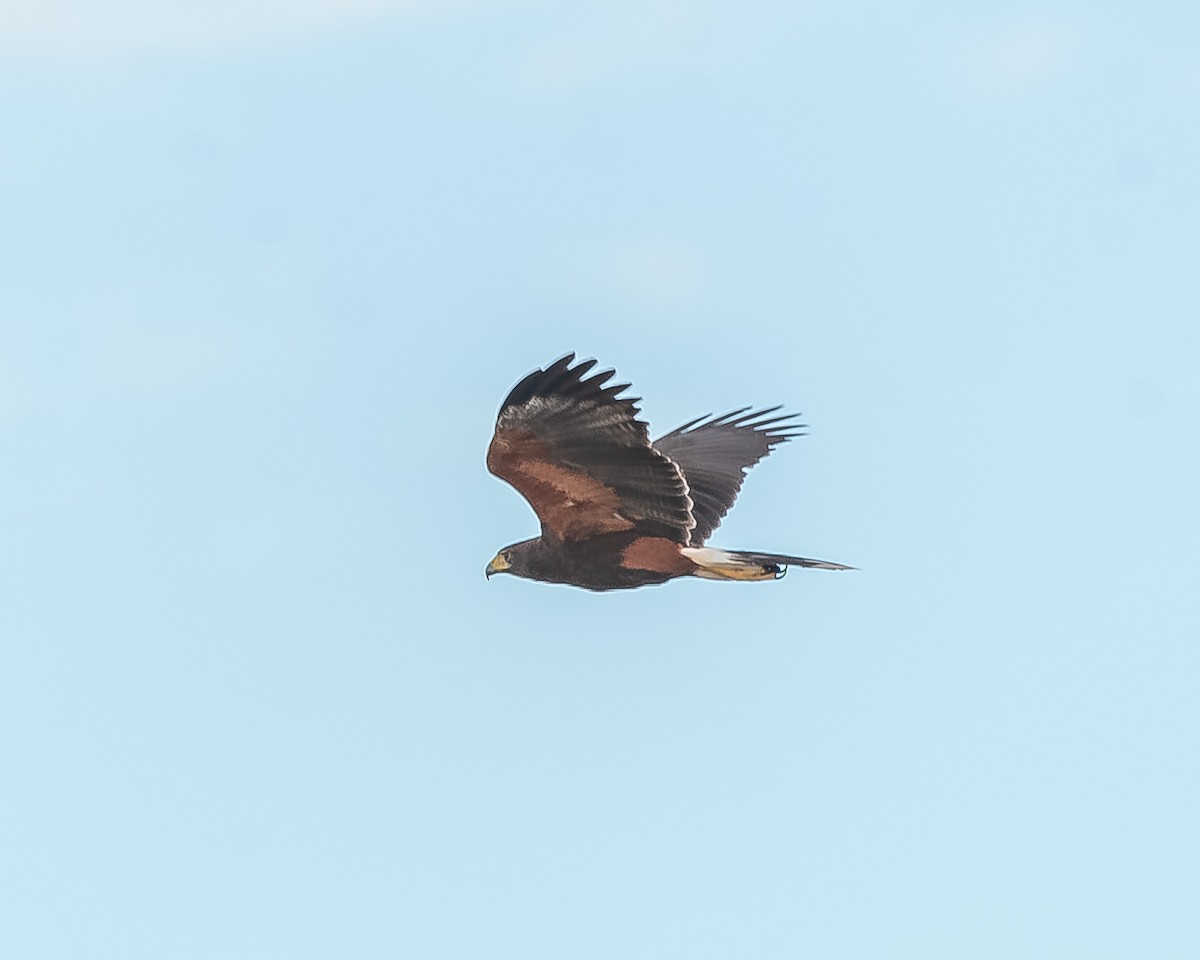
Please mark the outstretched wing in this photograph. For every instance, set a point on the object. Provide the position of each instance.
(583, 460)
(715, 453)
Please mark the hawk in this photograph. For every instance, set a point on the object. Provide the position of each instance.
(617, 510)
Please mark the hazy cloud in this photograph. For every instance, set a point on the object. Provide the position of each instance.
(627, 42)
(1021, 57)
(84, 28)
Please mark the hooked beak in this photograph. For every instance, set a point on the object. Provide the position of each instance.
(497, 565)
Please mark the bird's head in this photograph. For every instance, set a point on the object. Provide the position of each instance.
(511, 559)
(500, 563)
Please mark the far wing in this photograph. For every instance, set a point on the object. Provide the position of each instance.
(583, 460)
(715, 453)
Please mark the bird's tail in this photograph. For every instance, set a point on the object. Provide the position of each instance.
(714, 564)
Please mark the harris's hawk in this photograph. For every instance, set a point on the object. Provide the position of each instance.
(616, 509)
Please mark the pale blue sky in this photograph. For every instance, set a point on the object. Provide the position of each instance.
(267, 276)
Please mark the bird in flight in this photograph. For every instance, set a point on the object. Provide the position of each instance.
(617, 510)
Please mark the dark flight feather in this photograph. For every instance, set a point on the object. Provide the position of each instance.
(714, 454)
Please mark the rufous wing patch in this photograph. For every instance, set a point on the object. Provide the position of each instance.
(658, 555)
(570, 504)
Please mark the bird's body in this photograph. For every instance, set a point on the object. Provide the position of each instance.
(618, 511)
(598, 563)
